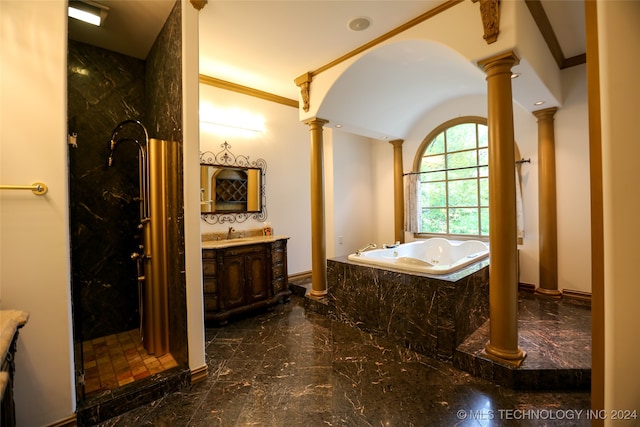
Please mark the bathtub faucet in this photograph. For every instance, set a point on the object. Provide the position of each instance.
(393, 245)
(369, 246)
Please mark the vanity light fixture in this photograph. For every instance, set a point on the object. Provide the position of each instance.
(359, 24)
(232, 118)
(88, 11)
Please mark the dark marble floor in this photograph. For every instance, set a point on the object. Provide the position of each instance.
(292, 367)
(556, 336)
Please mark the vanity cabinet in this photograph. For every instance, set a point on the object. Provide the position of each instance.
(243, 276)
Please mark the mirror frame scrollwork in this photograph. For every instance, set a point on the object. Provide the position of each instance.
(225, 158)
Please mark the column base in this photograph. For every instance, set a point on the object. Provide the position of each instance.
(510, 358)
(318, 294)
(553, 293)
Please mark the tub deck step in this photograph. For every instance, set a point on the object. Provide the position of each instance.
(555, 334)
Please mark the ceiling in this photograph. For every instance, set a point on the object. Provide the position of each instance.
(266, 44)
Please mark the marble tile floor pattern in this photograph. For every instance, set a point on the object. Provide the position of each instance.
(555, 334)
(292, 367)
(119, 359)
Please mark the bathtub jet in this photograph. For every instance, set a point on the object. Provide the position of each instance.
(433, 256)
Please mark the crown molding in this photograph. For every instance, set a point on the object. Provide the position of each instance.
(234, 87)
(542, 21)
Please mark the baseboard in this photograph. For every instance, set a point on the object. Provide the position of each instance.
(300, 276)
(527, 287)
(577, 295)
(70, 421)
(581, 296)
(199, 374)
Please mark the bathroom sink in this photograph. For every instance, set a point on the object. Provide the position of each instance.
(237, 241)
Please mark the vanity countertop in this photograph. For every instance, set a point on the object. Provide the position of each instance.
(228, 243)
(10, 321)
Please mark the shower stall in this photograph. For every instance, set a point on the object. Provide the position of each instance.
(129, 315)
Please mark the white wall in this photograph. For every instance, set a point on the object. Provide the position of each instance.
(573, 192)
(285, 148)
(382, 180)
(618, 32)
(349, 192)
(34, 231)
(191, 181)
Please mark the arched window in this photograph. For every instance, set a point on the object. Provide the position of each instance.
(453, 183)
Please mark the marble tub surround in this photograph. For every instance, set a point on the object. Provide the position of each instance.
(556, 334)
(290, 367)
(426, 313)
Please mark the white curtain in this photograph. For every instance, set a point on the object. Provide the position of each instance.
(519, 208)
(411, 202)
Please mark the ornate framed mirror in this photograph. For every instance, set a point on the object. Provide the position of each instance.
(232, 188)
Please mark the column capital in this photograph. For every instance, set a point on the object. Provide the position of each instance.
(315, 122)
(546, 113)
(397, 142)
(497, 62)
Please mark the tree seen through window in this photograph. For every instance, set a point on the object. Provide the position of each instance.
(454, 191)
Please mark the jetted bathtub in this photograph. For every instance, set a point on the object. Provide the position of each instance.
(432, 256)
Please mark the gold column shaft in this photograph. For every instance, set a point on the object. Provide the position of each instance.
(503, 275)
(547, 205)
(318, 233)
(156, 305)
(398, 190)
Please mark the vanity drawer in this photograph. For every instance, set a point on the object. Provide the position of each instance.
(277, 256)
(208, 254)
(278, 270)
(244, 250)
(211, 302)
(210, 284)
(209, 267)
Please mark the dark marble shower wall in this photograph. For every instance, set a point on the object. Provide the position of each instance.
(163, 106)
(104, 88)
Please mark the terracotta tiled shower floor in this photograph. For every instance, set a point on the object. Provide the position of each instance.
(119, 359)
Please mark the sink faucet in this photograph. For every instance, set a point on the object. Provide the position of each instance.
(369, 246)
(231, 230)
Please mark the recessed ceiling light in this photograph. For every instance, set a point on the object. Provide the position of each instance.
(360, 24)
(88, 11)
(515, 75)
(539, 103)
(338, 125)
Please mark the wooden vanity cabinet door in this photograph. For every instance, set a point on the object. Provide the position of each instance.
(233, 280)
(257, 285)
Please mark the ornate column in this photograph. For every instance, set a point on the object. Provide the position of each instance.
(318, 239)
(548, 221)
(398, 191)
(503, 269)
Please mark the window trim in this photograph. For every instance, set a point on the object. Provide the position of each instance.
(478, 120)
